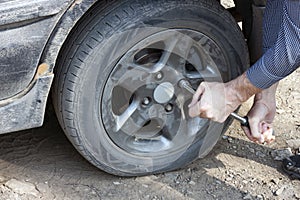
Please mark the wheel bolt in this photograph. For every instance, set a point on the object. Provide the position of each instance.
(146, 101)
(159, 76)
(169, 107)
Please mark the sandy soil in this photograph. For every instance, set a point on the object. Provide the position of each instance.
(42, 164)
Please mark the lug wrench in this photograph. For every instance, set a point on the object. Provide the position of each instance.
(187, 86)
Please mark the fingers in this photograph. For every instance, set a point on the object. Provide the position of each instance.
(209, 102)
(248, 133)
(195, 105)
(256, 130)
(194, 110)
(268, 133)
(203, 110)
(260, 133)
(198, 110)
(200, 90)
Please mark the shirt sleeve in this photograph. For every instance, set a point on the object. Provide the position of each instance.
(283, 57)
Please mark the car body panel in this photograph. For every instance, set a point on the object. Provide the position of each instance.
(27, 109)
(16, 11)
(24, 39)
(25, 27)
(19, 56)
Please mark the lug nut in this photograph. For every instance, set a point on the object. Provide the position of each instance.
(159, 76)
(169, 107)
(146, 101)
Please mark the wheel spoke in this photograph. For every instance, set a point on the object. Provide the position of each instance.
(167, 50)
(177, 44)
(126, 122)
(208, 73)
(170, 45)
(184, 46)
(135, 79)
(205, 67)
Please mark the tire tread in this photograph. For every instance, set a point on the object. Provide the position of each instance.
(84, 38)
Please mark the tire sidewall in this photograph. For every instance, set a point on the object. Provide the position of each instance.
(100, 62)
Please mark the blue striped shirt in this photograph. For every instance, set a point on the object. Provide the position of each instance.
(281, 43)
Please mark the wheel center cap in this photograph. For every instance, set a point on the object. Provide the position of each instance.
(164, 92)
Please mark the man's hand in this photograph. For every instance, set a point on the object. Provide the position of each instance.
(261, 116)
(216, 101)
(211, 101)
(260, 121)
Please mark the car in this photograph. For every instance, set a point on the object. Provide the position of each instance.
(113, 69)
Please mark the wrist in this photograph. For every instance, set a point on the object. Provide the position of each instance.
(241, 89)
(267, 97)
(267, 94)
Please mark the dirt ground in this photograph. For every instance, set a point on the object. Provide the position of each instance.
(42, 164)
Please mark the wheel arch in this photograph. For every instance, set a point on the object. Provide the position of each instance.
(64, 28)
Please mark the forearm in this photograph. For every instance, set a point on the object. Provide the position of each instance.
(283, 56)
